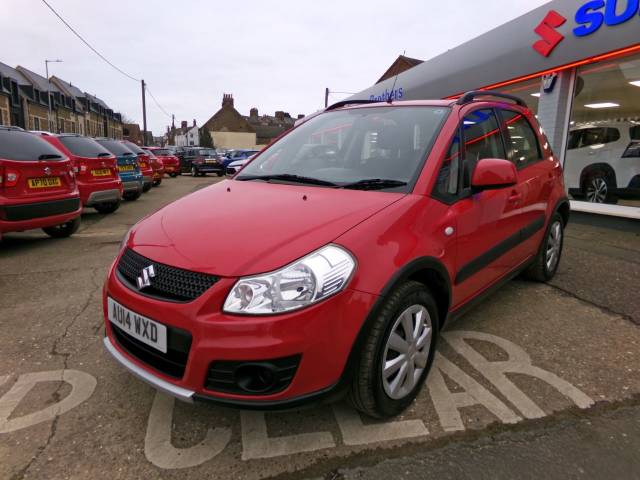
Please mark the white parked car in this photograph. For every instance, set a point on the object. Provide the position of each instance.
(235, 166)
(603, 162)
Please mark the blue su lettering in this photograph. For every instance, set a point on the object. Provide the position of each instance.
(611, 17)
(589, 18)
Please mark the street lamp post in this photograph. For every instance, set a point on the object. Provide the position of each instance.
(46, 67)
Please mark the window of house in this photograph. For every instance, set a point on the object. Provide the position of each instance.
(36, 123)
(522, 140)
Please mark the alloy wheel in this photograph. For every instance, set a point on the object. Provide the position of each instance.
(597, 190)
(406, 351)
(554, 245)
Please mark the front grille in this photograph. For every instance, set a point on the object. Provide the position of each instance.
(224, 376)
(172, 363)
(28, 211)
(169, 283)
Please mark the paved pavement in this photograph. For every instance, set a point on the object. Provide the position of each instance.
(547, 365)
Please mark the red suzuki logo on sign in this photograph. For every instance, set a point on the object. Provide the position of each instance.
(550, 36)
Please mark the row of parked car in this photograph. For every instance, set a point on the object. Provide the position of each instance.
(201, 160)
(47, 179)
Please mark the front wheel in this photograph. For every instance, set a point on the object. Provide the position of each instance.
(194, 172)
(63, 230)
(397, 353)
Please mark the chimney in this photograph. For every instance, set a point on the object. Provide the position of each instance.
(300, 115)
(183, 125)
(253, 113)
(280, 115)
(227, 100)
(194, 122)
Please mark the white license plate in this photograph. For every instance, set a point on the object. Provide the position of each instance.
(142, 328)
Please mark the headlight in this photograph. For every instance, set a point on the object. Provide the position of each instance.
(125, 239)
(304, 282)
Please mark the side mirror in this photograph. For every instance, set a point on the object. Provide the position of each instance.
(493, 173)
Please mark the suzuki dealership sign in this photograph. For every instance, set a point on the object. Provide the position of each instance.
(589, 18)
(557, 34)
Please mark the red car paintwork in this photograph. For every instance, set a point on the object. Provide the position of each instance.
(89, 184)
(171, 163)
(272, 225)
(158, 168)
(17, 193)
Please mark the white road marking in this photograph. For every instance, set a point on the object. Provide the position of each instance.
(519, 362)
(354, 432)
(448, 404)
(82, 387)
(157, 442)
(256, 442)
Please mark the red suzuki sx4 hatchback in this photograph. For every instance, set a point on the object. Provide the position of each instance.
(352, 240)
(38, 186)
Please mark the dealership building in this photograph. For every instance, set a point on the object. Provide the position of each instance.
(577, 65)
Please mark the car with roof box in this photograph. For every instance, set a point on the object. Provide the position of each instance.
(96, 170)
(353, 240)
(128, 168)
(38, 187)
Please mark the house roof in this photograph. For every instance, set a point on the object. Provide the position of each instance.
(401, 64)
(11, 72)
(71, 89)
(38, 81)
(95, 99)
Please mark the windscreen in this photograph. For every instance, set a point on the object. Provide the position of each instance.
(24, 146)
(115, 147)
(207, 152)
(162, 151)
(84, 147)
(355, 145)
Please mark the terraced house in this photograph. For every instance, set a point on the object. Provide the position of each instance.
(24, 102)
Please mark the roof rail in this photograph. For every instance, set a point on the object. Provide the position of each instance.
(471, 96)
(349, 102)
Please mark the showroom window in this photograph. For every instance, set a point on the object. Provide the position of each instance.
(529, 91)
(602, 162)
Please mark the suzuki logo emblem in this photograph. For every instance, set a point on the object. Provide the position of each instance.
(144, 280)
(47, 171)
(547, 31)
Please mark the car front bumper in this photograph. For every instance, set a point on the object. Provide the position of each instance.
(322, 335)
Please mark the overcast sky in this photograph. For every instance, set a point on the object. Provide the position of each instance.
(273, 55)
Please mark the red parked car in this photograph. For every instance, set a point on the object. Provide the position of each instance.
(170, 161)
(157, 165)
(96, 170)
(144, 162)
(37, 186)
(352, 241)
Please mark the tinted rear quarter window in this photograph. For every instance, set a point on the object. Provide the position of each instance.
(115, 147)
(23, 146)
(524, 142)
(134, 148)
(84, 147)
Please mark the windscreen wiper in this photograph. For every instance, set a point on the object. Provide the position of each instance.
(104, 154)
(287, 177)
(49, 156)
(374, 184)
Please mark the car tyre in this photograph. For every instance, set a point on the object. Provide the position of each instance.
(194, 172)
(131, 196)
(63, 230)
(109, 207)
(220, 174)
(173, 175)
(372, 388)
(598, 188)
(157, 182)
(546, 263)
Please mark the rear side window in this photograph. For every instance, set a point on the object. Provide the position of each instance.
(84, 147)
(134, 148)
(162, 151)
(587, 137)
(115, 147)
(523, 141)
(23, 146)
(634, 132)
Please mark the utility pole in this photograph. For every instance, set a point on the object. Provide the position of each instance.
(50, 115)
(144, 114)
(326, 97)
